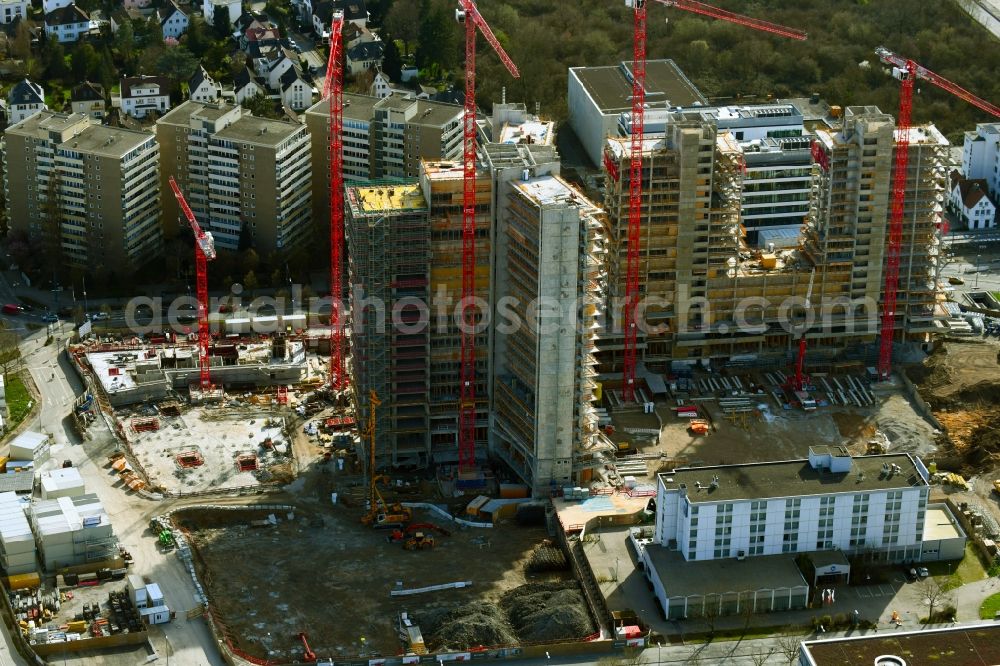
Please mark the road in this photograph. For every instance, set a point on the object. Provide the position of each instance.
(978, 265)
(308, 51)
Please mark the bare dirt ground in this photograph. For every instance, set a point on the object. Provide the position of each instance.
(777, 433)
(325, 574)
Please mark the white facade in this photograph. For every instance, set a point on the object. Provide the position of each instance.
(248, 91)
(30, 445)
(207, 91)
(139, 98)
(62, 482)
(52, 5)
(981, 156)
(297, 95)
(10, 10)
(68, 32)
(232, 7)
(980, 215)
(17, 543)
(886, 515)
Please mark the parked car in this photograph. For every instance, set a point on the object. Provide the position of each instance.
(955, 280)
(11, 308)
(50, 317)
(98, 316)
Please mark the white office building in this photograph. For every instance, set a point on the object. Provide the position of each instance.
(830, 501)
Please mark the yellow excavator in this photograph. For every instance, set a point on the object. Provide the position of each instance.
(380, 514)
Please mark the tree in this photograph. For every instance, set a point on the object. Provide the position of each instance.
(250, 281)
(250, 260)
(438, 38)
(761, 658)
(788, 645)
(392, 62)
(934, 595)
(10, 351)
(194, 37)
(20, 46)
(261, 106)
(86, 61)
(221, 25)
(403, 21)
(177, 64)
(55, 60)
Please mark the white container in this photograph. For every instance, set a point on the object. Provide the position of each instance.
(630, 482)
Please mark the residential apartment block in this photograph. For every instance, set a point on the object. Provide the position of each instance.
(91, 190)
(246, 178)
(383, 138)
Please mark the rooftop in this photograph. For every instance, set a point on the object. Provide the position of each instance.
(106, 141)
(611, 86)
(260, 131)
(682, 578)
(939, 524)
(382, 199)
(791, 478)
(965, 645)
(552, 191)
(531, 131)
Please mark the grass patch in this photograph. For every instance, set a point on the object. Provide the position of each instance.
(990, 607)
(19, 400)
(955, 574)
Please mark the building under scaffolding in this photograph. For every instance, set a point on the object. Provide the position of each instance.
(698, 275)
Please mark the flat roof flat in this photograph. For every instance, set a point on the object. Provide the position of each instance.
(791, 478)
(611, 86)
(260, 131)
(764, 572)
(964, 645)
(939, 524)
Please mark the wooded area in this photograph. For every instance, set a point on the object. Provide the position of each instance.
(729, 62)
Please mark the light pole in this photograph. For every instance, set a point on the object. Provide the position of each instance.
(976, 286)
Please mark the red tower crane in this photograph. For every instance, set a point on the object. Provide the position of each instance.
(635, 164)
(333, 90)
(907, 71)
(468, 14)
(204, 251)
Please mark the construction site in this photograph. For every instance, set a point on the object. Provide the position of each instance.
(436, 470)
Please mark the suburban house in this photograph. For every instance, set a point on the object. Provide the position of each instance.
(173, 21)
(259, 36)
(296, 90)
(121, 16)
(143, 94)
(364, 56)
(383, 87)
(320, 13)
(25, 99)
(68, 23)
(246, 86)
(136, 4)
(272, 65)
(203, 88)
(355, 34)
(970, 200)
(232, 7)
(88, 98)
(13, 9)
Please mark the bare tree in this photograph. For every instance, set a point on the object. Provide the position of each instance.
(760, 658)
(10, 352)
(934, 596)
(788, 645)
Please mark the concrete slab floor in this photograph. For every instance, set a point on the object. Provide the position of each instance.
(219, 435)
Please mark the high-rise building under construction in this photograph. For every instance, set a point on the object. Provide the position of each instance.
(708, 295)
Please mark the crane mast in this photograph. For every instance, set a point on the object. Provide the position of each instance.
(333, 90)
(468, 14)
(907, 71)
(204, 251)
(630, 325)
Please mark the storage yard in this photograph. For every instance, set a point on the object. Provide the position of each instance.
(341, 591)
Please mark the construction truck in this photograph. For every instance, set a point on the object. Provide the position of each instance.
(419, 541)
